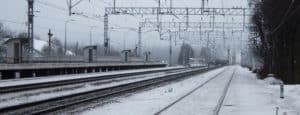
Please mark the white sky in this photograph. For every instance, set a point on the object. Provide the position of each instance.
(54, 15)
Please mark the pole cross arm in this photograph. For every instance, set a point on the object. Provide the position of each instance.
(177, 11)
(203, 25)
(126, 51)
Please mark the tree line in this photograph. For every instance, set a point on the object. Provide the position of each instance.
(276, 40)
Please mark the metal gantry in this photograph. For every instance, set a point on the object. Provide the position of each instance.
(203, 25)
(169, 11)
(71, 5)
(218, 29)
(177, 11)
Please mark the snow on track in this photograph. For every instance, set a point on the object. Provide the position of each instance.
(12, 99)
(247, 95)
(149, 102)
(14, 82)
(204, 100)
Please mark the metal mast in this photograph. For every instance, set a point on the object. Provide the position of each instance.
(140, 42)
(30, 24)
(170, 49)
(106, 39)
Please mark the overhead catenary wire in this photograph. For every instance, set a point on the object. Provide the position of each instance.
(51, 5)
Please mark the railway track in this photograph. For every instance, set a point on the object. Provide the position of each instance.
(33, 86)
(220, 101)
(58, 103)
(223, 96)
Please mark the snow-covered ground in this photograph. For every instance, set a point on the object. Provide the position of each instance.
(40, 44)
(204, 100)
(250, 96)
(150, 102)
(247, 95)
(12, 99)
(292, 93)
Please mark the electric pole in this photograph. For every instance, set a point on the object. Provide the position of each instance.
(76, 48)
(157, 17)
(170, 49)
(106, 38)
(140, 42)
(208, 48)
(50, 35)
(171, 5)
(114, 6)
(203, 1)
(72, 5)
(187, 18)
(30, 33)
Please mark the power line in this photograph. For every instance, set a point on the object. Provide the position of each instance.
(21, 23)
(57, 9)
(10, 21)
(51, 5)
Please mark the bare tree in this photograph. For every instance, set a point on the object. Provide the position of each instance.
(186, 52)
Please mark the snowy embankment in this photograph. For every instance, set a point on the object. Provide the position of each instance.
(251, 96)
(291, 102)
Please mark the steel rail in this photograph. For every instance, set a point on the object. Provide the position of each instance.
(26, 87)
(58, 103)
(189, 93)
(222, 98)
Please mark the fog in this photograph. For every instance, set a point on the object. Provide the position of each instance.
(52, 14)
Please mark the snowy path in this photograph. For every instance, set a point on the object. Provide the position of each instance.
(150, 102)
(250, 96)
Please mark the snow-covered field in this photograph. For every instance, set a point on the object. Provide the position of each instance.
(246, 96)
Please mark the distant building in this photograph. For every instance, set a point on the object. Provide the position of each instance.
(16, 48)
(90, 53)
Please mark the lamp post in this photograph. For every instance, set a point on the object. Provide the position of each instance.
(91, 34)
(66, 23)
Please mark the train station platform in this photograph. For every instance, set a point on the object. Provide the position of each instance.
(25, 70)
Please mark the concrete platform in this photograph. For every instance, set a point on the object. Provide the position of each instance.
(25, 70)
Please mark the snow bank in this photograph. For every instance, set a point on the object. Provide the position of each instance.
(39, 44)
(70, 53)
(272, 81)
(293, 97)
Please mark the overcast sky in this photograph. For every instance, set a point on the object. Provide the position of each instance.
(52, 14)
